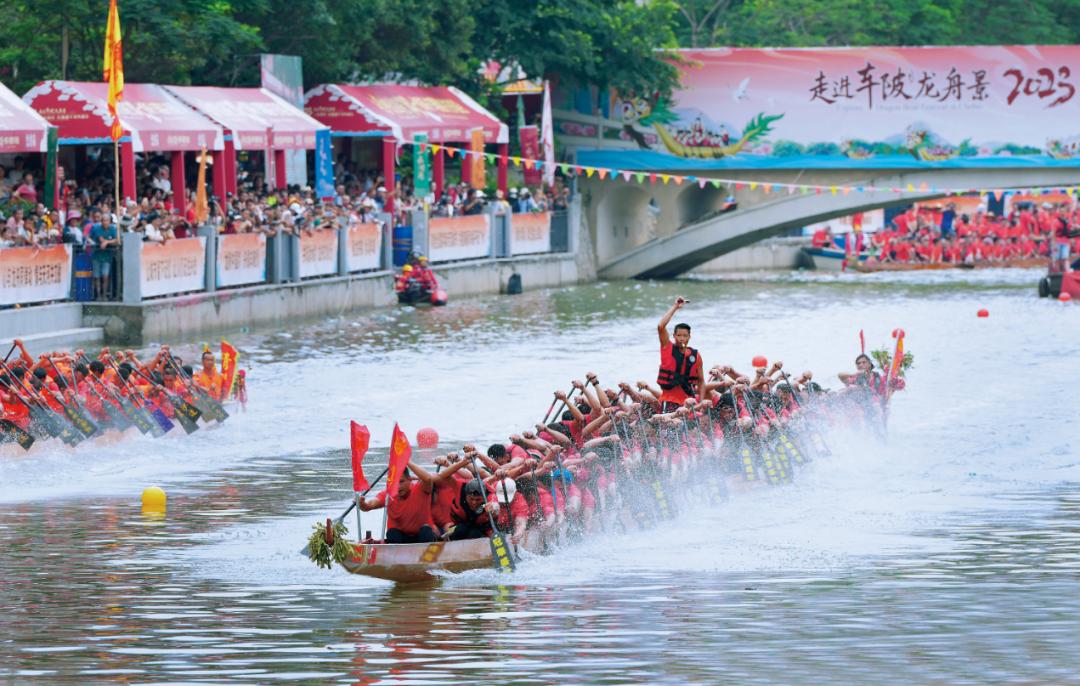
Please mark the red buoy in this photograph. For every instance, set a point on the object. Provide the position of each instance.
(983, 313)
(1065, 296)
(427, 438)
(760, 361)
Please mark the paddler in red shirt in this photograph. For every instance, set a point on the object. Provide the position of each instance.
(409, 508)
(680, 374)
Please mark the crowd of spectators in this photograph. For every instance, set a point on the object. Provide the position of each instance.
(87, 219)
(928, 234)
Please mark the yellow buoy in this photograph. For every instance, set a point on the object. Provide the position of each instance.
(153, 499)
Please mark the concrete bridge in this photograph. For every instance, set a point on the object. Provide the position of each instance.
(663, 230)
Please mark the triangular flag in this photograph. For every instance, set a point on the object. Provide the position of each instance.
(652, 178)
(450, 152)
(435, 148)
(790, 190)
(911, 187)
(832, 189)
(702, 183)
(577, 169)
(516, 161)
(626, 176)
(602, 172)
(753, 185)
(847, 189)
(767, 188)
(529, 164)
(640, 176)
(589, 171)
(665, 178)
(717, 183)
(678, 180)
(738, 186)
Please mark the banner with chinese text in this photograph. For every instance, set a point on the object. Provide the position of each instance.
(530, 150)
(241, 259)
(531, 233)
(30, 275)
(364, 247)
(459, 238)
(868, 107)
(318, 252)
(173, 267)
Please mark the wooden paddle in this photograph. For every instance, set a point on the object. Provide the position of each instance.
(16, 433)
(42, 413)
(186, 413)
(156, 420)
(210, 407)
(569, 394)
(73, 409)
(500, 551)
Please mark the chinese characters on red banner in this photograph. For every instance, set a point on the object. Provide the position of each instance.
(878, 87)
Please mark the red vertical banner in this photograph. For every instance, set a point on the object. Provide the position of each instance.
(359, 438)
(229, 356)
(476, 159)
(400, 452)
(529, 137)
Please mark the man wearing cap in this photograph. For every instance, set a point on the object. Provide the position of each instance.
(511, 513)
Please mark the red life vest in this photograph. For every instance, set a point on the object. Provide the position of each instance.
(677, 369)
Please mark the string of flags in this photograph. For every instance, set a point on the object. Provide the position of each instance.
(653, 178)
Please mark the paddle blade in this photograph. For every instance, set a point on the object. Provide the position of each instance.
(16, 433)
(80, 420)
(162, 421)
(500, 553)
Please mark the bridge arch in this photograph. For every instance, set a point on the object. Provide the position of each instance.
(694, 203)
(713, 236)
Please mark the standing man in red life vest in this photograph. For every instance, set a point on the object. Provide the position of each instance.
(680, 374)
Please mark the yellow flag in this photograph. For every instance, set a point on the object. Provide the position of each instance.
(113, 68)
(202, 207)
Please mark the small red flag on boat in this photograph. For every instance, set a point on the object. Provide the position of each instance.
(400, 452)
(358, 441)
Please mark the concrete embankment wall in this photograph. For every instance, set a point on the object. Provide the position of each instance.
(775, 253)
(196, 315)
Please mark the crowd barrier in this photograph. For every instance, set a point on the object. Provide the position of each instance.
(210, 262)
(448, 239)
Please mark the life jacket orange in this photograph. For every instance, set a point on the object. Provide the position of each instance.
(679, 368)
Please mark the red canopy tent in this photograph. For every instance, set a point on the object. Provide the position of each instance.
(21, 128)
(153, 120)
(253, 119)
(396, 113)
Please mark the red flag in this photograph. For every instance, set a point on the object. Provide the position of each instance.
(229, 356)
(400, 452)
(358, 440)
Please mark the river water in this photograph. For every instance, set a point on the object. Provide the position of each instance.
(951, 554)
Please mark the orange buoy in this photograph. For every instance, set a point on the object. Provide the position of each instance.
(1065, 296)
(983, 313)
(427, 438)
(760, 361)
